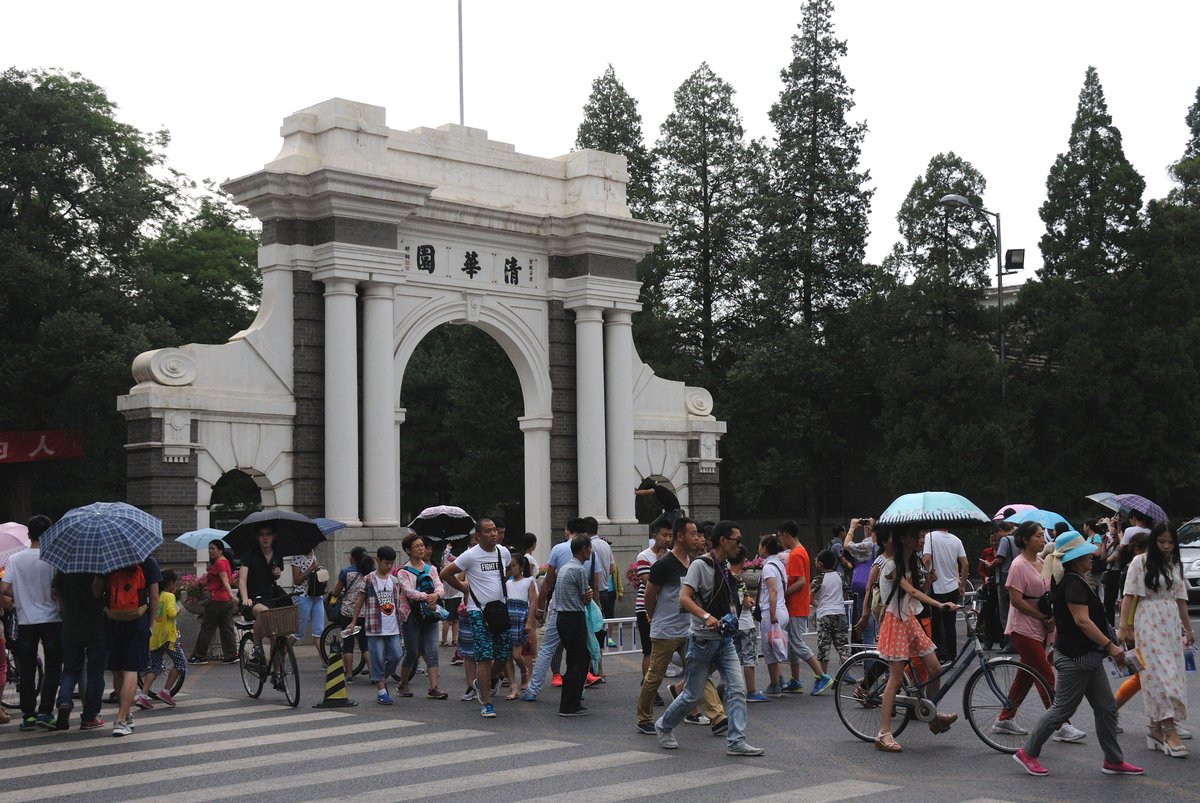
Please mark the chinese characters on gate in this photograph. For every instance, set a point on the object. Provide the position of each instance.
(469, 263)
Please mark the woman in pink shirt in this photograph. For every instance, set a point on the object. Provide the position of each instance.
(1030, 629)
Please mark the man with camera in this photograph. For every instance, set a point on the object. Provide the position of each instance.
(708, 593)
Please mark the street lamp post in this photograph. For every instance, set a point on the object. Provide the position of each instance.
(1016, 260)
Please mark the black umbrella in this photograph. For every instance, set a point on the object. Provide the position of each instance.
(294, 534)
(442, 523)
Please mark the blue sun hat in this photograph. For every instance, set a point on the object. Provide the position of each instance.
(1067, 547)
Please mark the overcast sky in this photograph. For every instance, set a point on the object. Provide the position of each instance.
(997, 83)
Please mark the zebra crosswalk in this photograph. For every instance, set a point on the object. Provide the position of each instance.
(224, 748)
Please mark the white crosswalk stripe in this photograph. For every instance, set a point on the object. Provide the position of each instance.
(668, 784)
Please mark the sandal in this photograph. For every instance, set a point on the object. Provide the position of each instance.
(942, 722)
(887, 743)
(513, 696)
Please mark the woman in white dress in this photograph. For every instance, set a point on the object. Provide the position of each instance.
(1154, 616)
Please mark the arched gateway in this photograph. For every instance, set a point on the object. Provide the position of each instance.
(371, 239)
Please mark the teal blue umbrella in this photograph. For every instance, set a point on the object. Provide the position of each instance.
(198, 539)
(1045, 518)
(932, 508)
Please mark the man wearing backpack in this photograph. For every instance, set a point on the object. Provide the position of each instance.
(131, 594)
(708, 594)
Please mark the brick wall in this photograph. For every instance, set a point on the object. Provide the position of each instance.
(564, 487)
(308, 356)
(704, 490)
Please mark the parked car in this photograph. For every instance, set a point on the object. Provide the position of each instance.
(1189, 554)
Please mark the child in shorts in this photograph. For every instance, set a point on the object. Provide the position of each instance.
(746, 641)
(829, 603)
(164, 641)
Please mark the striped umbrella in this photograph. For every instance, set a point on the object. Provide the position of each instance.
(1142, 505)
(100, 538)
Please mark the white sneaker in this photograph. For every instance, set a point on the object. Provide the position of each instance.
(121, 728)
(1069, 733)
(1009, 727)
(1182, 734)
(469, 695)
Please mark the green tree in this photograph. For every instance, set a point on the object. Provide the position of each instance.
(816, 205)
(957, 243)
(1187, 170)
(1093, 195)
(706, 175)
(612, 123)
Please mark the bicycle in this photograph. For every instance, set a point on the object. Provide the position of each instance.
(860, 682)
(330, 645)
(279, 663)
(12, 690)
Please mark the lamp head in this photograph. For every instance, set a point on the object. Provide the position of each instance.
(955, 200)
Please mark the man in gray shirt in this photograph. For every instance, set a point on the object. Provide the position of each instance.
(709, 594)
(572, 594)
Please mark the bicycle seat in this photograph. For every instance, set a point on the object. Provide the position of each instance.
(243, 624)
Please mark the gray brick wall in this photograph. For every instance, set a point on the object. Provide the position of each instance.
(564, 488)
(166, 490)
(308, 356)
(704, 490)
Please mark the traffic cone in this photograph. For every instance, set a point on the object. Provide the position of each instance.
(335, 686)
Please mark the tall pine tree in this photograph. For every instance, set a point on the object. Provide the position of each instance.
(1187, 170)
(612, 123)
(815, 211)
(705, 175)
(1093, 195)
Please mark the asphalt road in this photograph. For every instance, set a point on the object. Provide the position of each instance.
(219, 744)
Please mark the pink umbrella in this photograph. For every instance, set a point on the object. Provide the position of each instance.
(1015, 508)
(17, 531)
(8, 553)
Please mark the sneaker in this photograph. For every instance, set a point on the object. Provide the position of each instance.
(528, 696)
(658, 701)
(669, 694)
(820, 684)
(720, 726)
(646, 728)
(593, 680)
(487, 711)
(673, 671)
(611, 644)
(757, 697)
(436, 694)
(1009, 727)
(196, 660)
(121, 728)
(383, 698)
(666, 739)
(232, 660)
(697, 719)
(1069, 733)
(143, 702)
(166, 697)
(793, 686)
(743, 749)
(468, 695)
(403, 691)
(457, 660)
(556, 681)
(28, 724)
(129, 721)
(45, 721)
(578, 712)
(91, 724)
(1123, 768)
(1033, 766)
(773, 690)
(63, 721)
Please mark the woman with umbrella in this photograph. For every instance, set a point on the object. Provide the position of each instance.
(1153, 615)
(218, 611)
(257, 578)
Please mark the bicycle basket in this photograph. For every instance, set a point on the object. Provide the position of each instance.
(280, 621)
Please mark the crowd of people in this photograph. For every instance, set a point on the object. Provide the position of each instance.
(1062, 601)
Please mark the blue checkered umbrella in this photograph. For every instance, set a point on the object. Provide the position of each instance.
(329, 525)
(100, 538)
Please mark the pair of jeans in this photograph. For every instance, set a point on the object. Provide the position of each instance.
(49, 636)
(867, 636)
(312, 609)
(661, 650)
(572, 629)
(546, 652)
(1076, 681)
(420, 638)
(944, 627)
(704, 655)
(91, 685)
(385, 655)
(217, 615)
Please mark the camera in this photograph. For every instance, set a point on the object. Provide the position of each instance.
(728, 625)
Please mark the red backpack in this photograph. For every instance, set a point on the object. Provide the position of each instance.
(128, 597)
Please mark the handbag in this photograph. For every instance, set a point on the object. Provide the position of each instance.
(756, 612)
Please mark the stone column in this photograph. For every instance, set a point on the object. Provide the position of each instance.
(618, 401)
(341, 401)
(537, 481)
(589, 412)
(380, 458)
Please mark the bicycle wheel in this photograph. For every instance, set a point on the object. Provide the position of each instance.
(331, 645)
(288, 672)
(252, 674)
(12, 689)
(858, 694)
(987, 694)
(175, 687)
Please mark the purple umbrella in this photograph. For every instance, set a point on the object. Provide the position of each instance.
(1142, 505)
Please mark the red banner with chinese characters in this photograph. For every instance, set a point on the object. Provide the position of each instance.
(49, 444)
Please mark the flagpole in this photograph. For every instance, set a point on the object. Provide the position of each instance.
(461, 118)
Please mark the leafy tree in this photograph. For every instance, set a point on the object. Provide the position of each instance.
(1187, 170)
(816, 205)
(612, 123)
(706, 172)
(1093, 195)
(956, 243)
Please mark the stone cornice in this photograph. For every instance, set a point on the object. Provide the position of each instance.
(596, 291)
(327, 192)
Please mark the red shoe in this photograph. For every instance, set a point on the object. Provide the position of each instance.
(1124, 768)
(556, 681)
(592, 680)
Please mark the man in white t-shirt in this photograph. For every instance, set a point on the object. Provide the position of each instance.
(484, 567)
(1138, 523)
(945, 556)
(26, 588)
